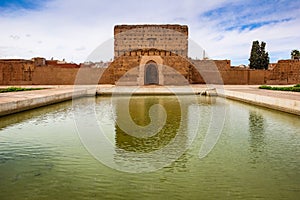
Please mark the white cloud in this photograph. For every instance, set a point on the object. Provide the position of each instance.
(73, 29)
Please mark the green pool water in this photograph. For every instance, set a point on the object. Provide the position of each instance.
(256, 156)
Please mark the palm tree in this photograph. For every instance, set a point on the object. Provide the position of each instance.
(295, 54)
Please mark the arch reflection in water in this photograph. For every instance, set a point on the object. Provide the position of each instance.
(122, 147)
(167, 145)
(139, 111)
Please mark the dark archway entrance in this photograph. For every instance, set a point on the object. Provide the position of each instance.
(151, 74)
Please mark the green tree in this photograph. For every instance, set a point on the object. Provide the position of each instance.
(295, 54)
(265, 60)
(259, 58)
(254, 56)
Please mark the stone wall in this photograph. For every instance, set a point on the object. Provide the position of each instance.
(129, 70)
(126, 69)
(16, 71)
(173, 38)
(285, 72)
(32, 72)
(244, 77)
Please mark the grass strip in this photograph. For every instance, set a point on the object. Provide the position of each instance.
(295, 88)
(17, 89)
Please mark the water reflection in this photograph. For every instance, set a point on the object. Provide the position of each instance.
(185, 116)
(180, 165)
(257, 134)
(139, 112)
(47, 161)
(181, 114)
(41, 113)
(168, 144)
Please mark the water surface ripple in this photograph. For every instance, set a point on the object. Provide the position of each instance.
(256, 157)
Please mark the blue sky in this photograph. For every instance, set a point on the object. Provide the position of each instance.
(26, 4)
(72, 29)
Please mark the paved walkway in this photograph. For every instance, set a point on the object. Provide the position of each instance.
(278, 100)
(270, 93)
(13, 102)
(151, 89)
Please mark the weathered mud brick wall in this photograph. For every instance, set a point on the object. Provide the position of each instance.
(66, 76)
(16, 71)
(123, 70)
(211, 70)
(126, 69)
(175, 69)
(257, 77)
(208, 71)
(38, 71)
(173, 38)
(285, 72)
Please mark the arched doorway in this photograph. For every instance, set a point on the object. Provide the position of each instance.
(151, 73)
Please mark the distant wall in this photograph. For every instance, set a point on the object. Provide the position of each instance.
(27, 72)
(244, 76)
(285, 72)
(127, 67)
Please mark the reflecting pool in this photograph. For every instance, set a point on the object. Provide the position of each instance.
(42, 156)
